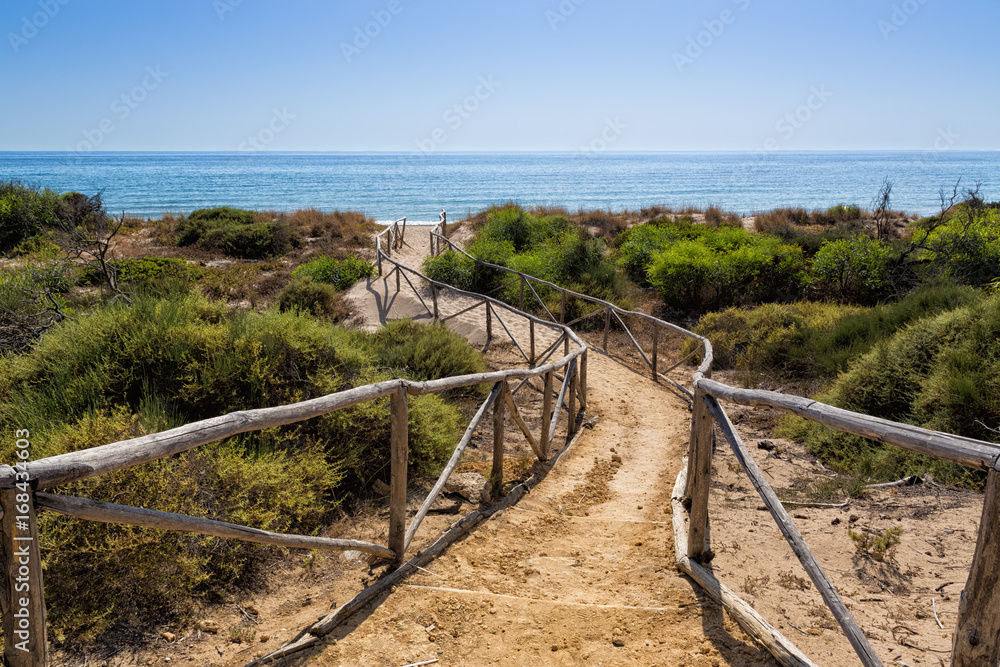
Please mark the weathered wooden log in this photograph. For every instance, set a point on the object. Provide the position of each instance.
(573, 389)
(656, 345)
(22, 593)
(399, 450)
(607, 328)
(784, 651)
(632, 338)
(94, 510)
(966, 451)
(855, 635)
(452, 463)
(74, 466)
(699, 480)
(531, 335)
(434, 298)
(977, 636)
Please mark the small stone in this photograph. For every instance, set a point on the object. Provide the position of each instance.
(469, 485)
(168, 636)
(555, 648)
(380, 488)
(854, 517)
(208, 626)
(835, 522)
(251, 609)
(265, 638)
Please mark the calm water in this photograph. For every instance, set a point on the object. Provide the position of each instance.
(391, 185)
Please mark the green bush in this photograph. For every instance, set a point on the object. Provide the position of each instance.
(143, 271)
(845, 212)
(851, 271)
(425, 352)
(451, 268)
(308, 296)
(32, 300)
(726, 266)
(639, 245)
(941, 373)
(141, 577)
(25, 211)
(816, 340)
(341, 273)
(127, 369)
(235, 232)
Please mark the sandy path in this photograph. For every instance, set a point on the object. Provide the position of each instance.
(580, 572)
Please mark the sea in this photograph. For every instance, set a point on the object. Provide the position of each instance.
(418, 185)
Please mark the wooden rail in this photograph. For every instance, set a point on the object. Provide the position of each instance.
(977, 638)
(21, 588)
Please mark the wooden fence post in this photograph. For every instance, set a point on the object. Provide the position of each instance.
(571, 405)
(531, 332)
(22, 594)
(521, 302)
(434, 296)
(489, 322)
(444, 224)
(431, 234)
(402, 235)
(398, 271)
(699, 478)
(583, 381)
(977, 636)
(656, 344)
(496, 475)
(398, 461)
(546, 414)
(607, 328)
(562, 308)
(378, 254)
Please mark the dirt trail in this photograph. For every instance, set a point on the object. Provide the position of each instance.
(579, 572)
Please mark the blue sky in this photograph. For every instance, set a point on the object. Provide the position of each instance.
(402, 75)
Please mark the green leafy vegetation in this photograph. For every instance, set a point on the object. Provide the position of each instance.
(880, 546)
(939, 373)
(235, 232)
(340, 273)
(701, 267)
(542, 245)
(305, 295)
(125, 369)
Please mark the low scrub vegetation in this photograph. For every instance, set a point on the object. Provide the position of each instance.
(939, 373)
(130, 368)
(543, 246)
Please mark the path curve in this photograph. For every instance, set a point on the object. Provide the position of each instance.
(579, 572)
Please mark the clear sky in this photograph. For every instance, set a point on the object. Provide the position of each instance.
(398, 75)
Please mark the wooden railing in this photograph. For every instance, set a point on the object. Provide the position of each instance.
(23, 486)
(977, 636)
